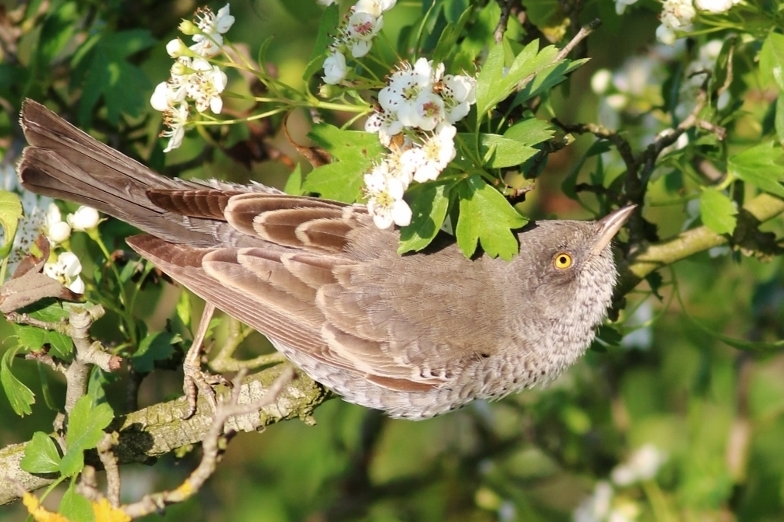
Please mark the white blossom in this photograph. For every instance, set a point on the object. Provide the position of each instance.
(385, 198)
(426, 113)
(459, 93)
(374, 7)
(210, 41)
(621, 5)
(715, 6)
(600, 81)
(176, 48)
(597, 507)
(206, 86)
(666, 35)
(66, 270)
(432, 157)
(55, 229)
(642, 465)
(85, 218)
(677, 14)
(334, 68)
(175, 118)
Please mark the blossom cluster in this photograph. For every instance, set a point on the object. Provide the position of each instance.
(415, 119)
(193, 78)
(355, 37)
(677, 15)
(65, 266)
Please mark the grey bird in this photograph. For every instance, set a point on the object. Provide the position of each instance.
(414, 335)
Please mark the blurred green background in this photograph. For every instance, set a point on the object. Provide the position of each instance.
(715, 415)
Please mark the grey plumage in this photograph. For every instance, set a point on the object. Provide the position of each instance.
(416, 335)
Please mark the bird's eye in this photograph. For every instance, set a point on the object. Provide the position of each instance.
(562, 260)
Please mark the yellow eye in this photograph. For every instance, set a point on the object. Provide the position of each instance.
(562, 260)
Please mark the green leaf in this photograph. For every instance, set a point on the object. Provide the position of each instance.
(155, 347)
(449, 36)
(495, 82)
(353, 154)
(761, 166)
(35, 338)
(85, 429)
(771, 60)
(530, 132)
(779, 118)
(429, 203)
(547, 78)
(294, 183)
(19, 395)
(718, 212)
(41, 455)
(61, 345)
(184, 308)
(10, 214)
(498, 151)
(75, 507)
(57, 29)
(486, 217)
(327, 27)
(101, 69)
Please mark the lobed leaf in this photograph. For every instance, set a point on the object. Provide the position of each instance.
(353, 155)
(486, 217)
(429, 203)
(761, 166)
(86, 423)
(718, 212)
(41, 455)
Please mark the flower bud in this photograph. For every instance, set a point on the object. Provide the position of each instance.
(188, 27)
(177, 48)
(85, 218)
(58, 232)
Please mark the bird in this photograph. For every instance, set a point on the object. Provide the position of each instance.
(414, 335)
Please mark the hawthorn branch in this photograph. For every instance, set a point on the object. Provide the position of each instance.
(651, 257)
(159, 429)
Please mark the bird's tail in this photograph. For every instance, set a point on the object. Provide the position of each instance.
(65, 163)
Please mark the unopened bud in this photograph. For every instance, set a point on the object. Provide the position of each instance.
(188, 27)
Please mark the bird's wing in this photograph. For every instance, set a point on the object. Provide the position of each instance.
(316, 288)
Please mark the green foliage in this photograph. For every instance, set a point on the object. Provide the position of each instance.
(19, 395)
(101, 69)
(10, 213)
(156, 346)
(486, 217)
(41, 455)
(353, 154)
(761, 166)
(86, 423)
(429, 204)
(718, 212)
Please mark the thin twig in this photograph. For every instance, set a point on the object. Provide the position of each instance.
(211, 447)
(109, 462)
(500, 29)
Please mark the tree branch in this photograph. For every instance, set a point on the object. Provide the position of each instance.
(159, 429)
(654, 256)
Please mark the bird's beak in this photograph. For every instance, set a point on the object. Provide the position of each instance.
(609, 225)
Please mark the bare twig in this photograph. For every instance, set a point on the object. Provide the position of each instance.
(212, 449)
(581, 35)
(109, 462)
(500, 29)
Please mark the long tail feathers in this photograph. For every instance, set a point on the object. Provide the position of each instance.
(65, 163)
